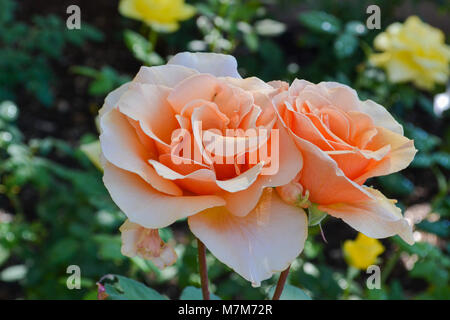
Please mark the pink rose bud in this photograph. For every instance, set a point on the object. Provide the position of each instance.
(101, 295)
(292, 193)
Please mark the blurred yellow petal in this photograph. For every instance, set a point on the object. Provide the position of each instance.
(186, 12)
(413, 51)
(380, 59)
(362, 252)
(128, 9)
(93, 150)
(161, 15)
(399, 71)
(382, 41)
(164, 27)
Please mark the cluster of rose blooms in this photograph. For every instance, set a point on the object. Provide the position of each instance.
(328, 144)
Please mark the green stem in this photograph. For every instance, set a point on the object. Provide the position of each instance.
(351, 274)
(390, 264)
(153, 38)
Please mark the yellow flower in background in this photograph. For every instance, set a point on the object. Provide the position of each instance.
(162, 15)
(413, 51)
(362, 252)
(93, 150)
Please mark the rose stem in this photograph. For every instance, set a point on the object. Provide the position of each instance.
(203, 269)
(280, 284)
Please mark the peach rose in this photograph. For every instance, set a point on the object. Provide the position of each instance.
(226, 196)
(344, 141)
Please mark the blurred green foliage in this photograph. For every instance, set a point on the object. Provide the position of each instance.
(28, 48)
(55, 211)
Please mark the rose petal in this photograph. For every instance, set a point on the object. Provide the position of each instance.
(219, 65)
(250, 84)
(197, 87)
(242, 181)
(290, 164)
(402, 152)
(376, 217)
(380, 116)
(148, 105)
(146, 206)
(147, 244)
(323, 179)
(118, 135)
(265, 241)
(166, 75)
(346, 99)
(112, 99)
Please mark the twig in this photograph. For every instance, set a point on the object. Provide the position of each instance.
(203, 269)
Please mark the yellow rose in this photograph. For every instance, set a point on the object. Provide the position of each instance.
(362, 252)
(162, 15)
(413, 51)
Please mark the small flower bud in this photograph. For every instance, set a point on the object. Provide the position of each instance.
(292, 193)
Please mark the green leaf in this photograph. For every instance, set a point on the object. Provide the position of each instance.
(422, 249)
(205, 9)
(426, 104)
(269, 27)
(315, 216)
(109, 247)
(396, 184)
(422, 160)
(345, 45)
(63, 251)
(193, 293)
(356, 28)
(14, 273)
(440, 228)
(378, 294)
(4, 254)
(141, 48)
(137, 43)
(442, 159)
(321, 22)
(252, 41)
(155, 59)
(396, 291)
(431, 271)
(423, 140)
(8, 111)
(7, 11)
(85, 71)
(128, 289)
(290, 293)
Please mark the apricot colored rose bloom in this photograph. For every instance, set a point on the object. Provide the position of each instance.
(161, 166)
(413, 51)
(345, 141)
